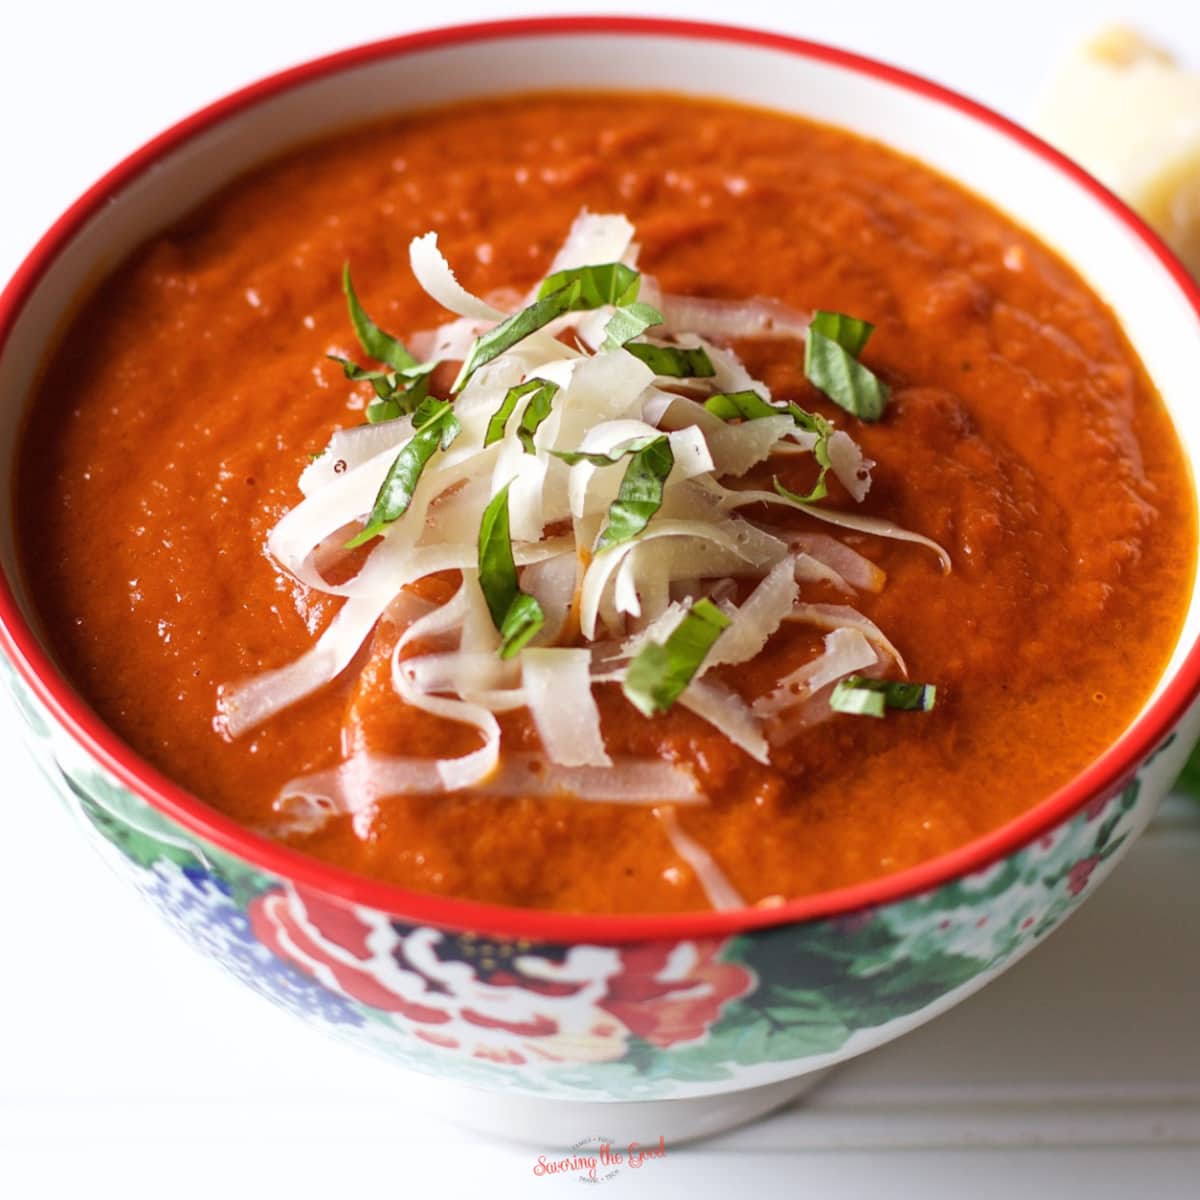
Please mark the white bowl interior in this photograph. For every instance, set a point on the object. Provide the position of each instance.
(1154, 311)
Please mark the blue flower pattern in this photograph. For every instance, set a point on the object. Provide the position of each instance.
(198, 904)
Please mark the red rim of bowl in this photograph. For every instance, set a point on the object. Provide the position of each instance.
(1107, 773)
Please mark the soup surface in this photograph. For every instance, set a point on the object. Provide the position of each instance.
(1022, 435)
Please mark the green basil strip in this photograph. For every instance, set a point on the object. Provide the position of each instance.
(571, 457)
(679, 362)
(820, 489)
(608, 283)
(640, 495)
(517, 615)
(660, 672)
(849, 332)
(379, 411)
(628, 322)
(436, 427)
(742, 406)
(750, 406)
(831, 344)
(516, 328)
(385, 383)
(811, 422)
(374, 341)
(352, 370)
(870, 697)
(399, 402)
(536, 411)
(499, 419)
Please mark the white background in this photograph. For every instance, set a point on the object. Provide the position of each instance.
(131, 1067)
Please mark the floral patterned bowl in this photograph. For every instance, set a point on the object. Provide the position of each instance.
(675, 1025)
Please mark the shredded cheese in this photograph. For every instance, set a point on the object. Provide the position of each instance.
(596, 607)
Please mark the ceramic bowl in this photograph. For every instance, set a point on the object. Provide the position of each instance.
(670, 1025)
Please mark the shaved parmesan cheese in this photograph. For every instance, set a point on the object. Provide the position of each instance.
(850, 566)
(737, 448)
(720, 892)
(307, 802)
(811, 570)
(836, 516)
(839, 616)
(692, 454)
(846, 651)
(726, 711)
(657, 630)
(734, 539)
(878, 527)
(553, 583)
(450, 342)
(757, 619)
(468, 673)
(849, 465)
(433, 273)
(558, 690)
(348, 449)
(731, 318)
(730, 375)
(472, 768)
(248, 704)
(594, 238)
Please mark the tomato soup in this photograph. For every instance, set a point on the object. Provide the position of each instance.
(1021, 434)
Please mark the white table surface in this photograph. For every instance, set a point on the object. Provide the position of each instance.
(131, 1067)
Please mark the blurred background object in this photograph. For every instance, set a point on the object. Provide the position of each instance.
(1128, 112)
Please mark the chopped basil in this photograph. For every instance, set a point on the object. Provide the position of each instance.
(399, 402)
(516, 328)
(435, 427)
(628, 322)
(397, 392)
(608, 283)
(640, 495)
(517, 615)
(865, 697)
(742, 406)
(811, 422)
(352, 370)
(379, 411)
(536, 411)
(820, 489)
(499, 419)
(385, 383)
(431, 410)
(850, 333)
(750, 406)
(661, 671)
(606, 459)
(831, 364)
(679, 362)
(498, 422)
(374, 341)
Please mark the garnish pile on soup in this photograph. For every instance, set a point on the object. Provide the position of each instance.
(606, 503)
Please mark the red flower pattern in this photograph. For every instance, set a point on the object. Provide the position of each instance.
(1080, 873)
(667, 994)
(573, 1007)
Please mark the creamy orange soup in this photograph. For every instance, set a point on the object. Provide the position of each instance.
(1022, 435)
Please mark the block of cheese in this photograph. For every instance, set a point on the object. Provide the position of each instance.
(1128, 113)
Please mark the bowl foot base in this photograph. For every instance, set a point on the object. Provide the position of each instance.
(566, 1124)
